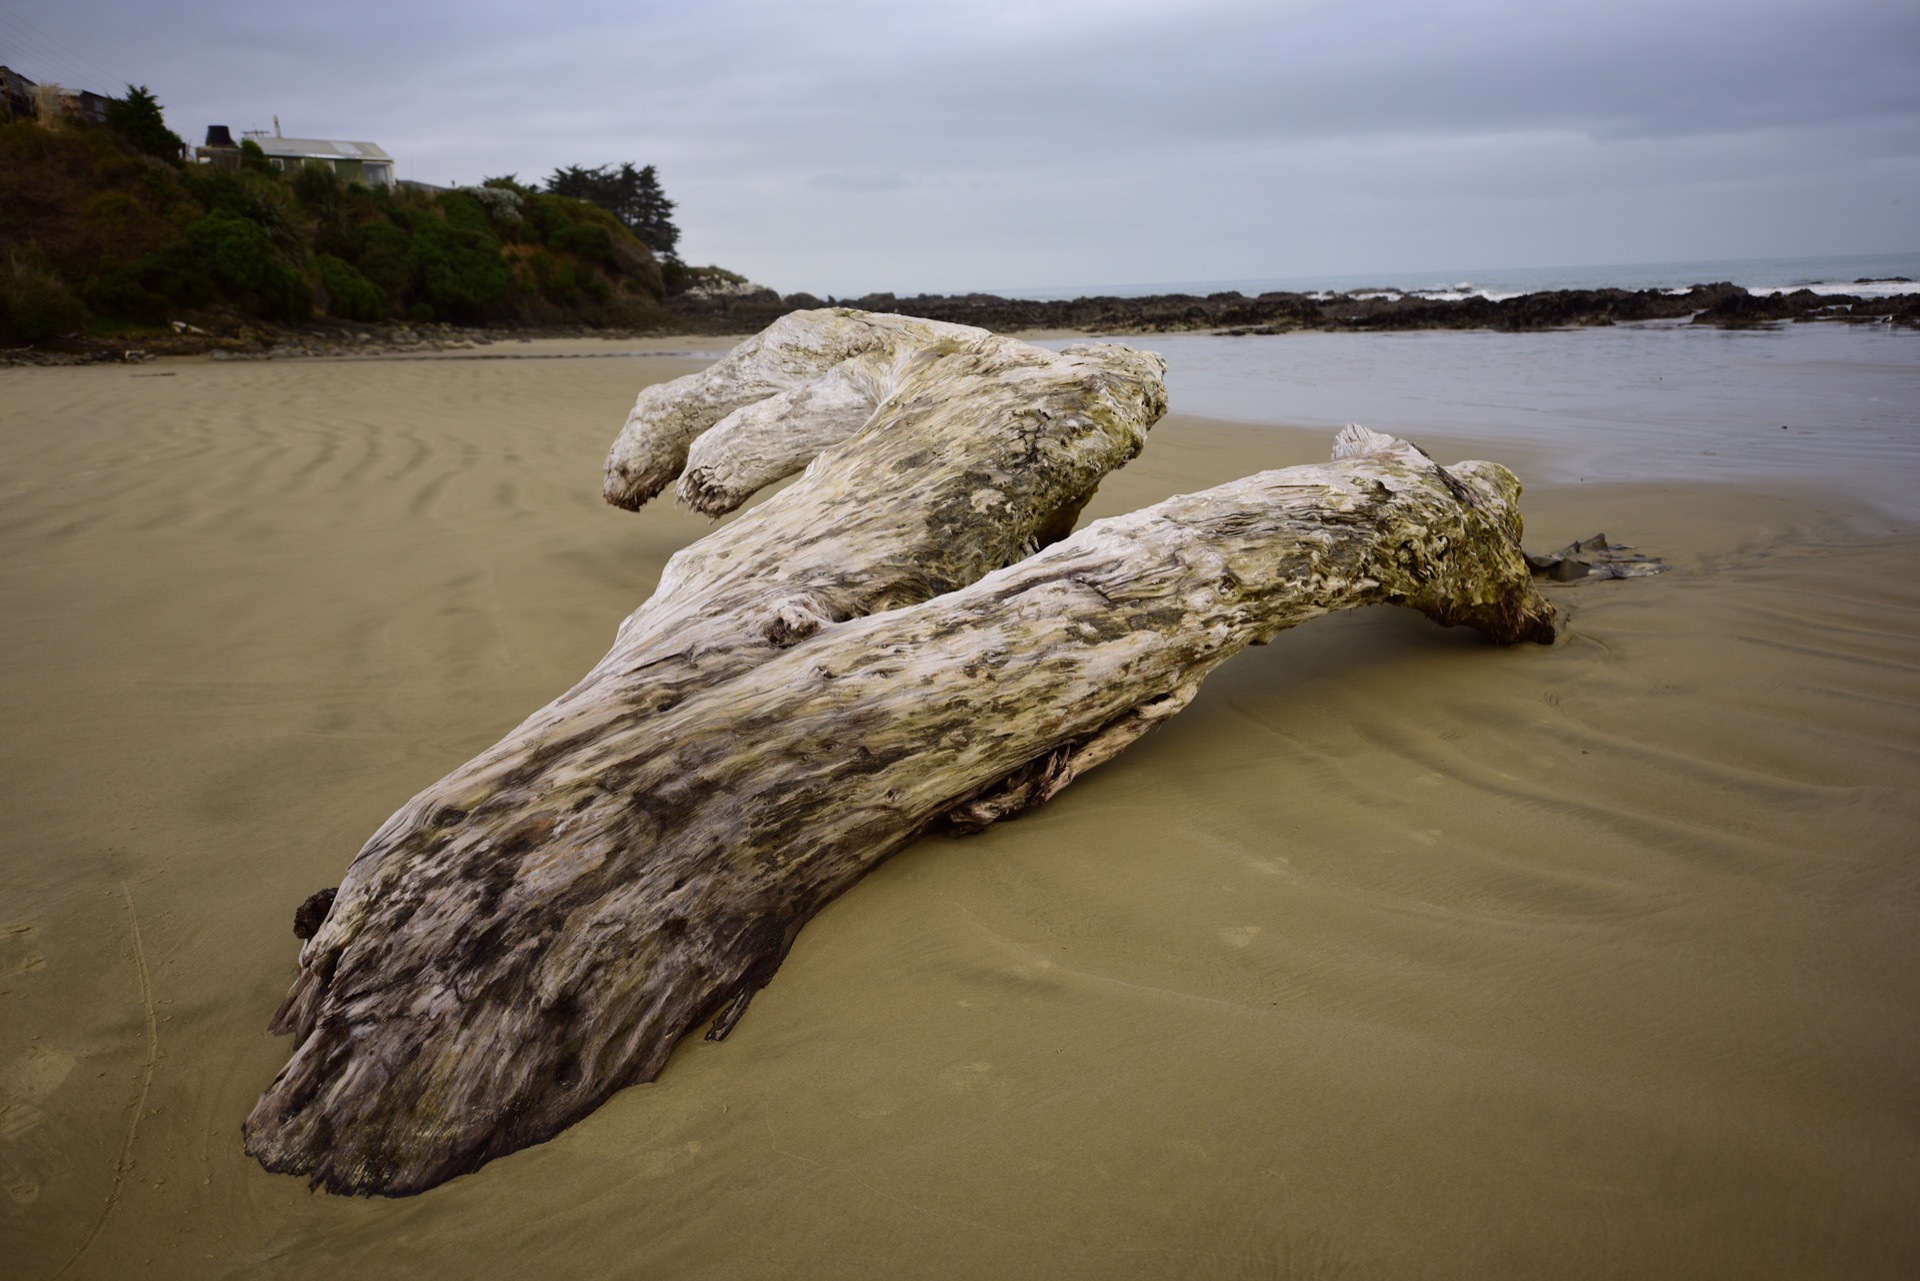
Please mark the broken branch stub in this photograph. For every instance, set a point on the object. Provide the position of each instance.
(1594, 558)
(888, 646)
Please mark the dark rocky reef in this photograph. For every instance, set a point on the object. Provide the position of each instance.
(1742, 310)
(751, 309)
(1722, 304)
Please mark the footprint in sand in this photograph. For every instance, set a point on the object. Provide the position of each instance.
(964, 1078)
(17, 955)
(25, 1084)
(36, 1076)
(40, 1074)
(658, 1163)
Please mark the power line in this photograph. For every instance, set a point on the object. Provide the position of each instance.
(42, 43)
(50, 55)
(42, 64)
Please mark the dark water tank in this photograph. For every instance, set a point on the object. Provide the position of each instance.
(217, 136)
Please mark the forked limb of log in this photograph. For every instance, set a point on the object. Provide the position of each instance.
(864, 657)
(808, 381)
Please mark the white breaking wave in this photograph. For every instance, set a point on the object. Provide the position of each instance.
(1863, 275)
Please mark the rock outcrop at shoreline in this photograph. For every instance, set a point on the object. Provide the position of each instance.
(321, 337)
(748, 309)
(1724, 304)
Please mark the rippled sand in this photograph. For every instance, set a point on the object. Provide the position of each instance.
(1396, 955)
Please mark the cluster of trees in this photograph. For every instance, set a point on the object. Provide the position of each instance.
(631, 195)
(102, 227)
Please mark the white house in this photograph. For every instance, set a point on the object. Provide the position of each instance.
(354, 161)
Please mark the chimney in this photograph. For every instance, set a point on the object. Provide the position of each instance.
(219, 150)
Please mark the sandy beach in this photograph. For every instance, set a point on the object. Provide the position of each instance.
(1396, 955)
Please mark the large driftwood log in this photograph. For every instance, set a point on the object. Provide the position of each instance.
(881, 649)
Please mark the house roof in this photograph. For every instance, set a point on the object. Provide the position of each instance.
(318, 148)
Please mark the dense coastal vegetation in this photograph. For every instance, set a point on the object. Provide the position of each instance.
(106, 233)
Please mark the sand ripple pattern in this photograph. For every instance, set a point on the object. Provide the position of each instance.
(1395, 955)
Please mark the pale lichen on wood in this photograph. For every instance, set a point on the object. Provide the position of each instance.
(902, 640)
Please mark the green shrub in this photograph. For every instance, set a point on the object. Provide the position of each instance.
(328, 203)
(109, 217)
(586, 231)
(589, 242)
(566, 282)
(464, 212)
(350, 295)
(509, 182)
(119, 291)
(340, 236)
(258, 197)
(505, 205)
(35, 304)
(317, 185)
(548, 278)
(385, 259)
(459, 270)
(238, 254)
(175, 275)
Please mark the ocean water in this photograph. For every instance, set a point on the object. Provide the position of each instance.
(1882, 275)
(1829, 405)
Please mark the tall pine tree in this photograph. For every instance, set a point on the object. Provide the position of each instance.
(138, 119)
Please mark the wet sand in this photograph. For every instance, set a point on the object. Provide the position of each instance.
(1396, 955)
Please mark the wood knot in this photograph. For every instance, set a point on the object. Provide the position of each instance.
(793, 621)
(312, 914)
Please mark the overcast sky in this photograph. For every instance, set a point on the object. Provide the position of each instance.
(842, 146)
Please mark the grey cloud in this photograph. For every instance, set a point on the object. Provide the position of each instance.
(862, 183)
(980, 142)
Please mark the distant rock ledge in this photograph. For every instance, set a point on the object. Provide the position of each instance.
(1722, 304)
(729, 307)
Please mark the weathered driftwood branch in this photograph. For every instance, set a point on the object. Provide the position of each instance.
(1594, 558)
(810, 380)
(864, 657)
